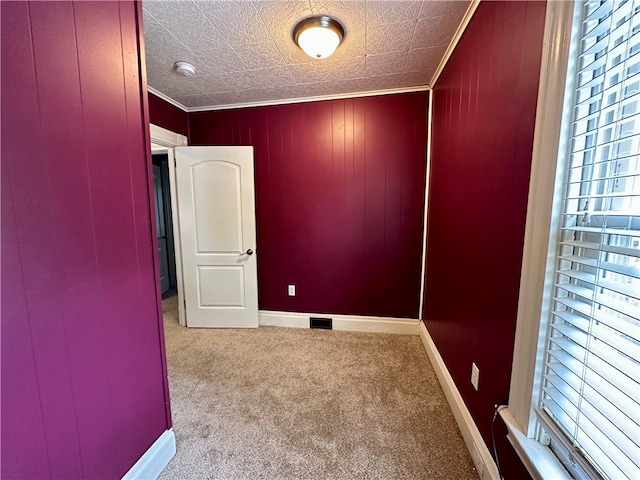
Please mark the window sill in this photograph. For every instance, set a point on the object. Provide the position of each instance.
(538, 459)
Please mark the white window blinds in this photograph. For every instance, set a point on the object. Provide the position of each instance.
(591, 371)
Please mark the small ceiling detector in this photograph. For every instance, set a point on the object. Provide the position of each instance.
(185, 69)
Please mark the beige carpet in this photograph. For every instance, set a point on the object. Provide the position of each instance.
(285, 403)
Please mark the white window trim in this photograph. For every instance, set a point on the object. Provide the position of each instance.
(537, 458)
(538, 250)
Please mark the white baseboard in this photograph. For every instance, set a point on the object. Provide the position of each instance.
(485, 465)
(354, 323)
(149, 465)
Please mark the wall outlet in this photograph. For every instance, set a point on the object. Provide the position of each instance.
(475, 375)
(292, 290)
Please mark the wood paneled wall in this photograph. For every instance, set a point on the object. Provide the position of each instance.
(484, 108)
(84, 390)
(165, 115)
(340, 200)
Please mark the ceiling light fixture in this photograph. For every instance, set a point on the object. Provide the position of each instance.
(318, 36)
(185, 68)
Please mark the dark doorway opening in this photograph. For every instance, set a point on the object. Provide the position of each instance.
(166, 249)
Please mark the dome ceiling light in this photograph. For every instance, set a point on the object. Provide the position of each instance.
(318, 36)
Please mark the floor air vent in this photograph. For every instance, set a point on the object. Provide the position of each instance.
(326, 323)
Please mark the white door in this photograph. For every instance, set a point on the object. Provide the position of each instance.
(218, 235)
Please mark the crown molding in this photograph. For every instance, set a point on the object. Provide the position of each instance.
(318, 98)
(167, 99)
(454, 41)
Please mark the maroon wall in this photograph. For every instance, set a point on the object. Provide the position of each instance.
(165, 115)
(483, 123)
(339, 200)
(83, 379)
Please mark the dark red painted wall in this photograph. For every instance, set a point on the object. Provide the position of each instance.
(165, 115)
(339, 200)
(483, 123)
(83, 380)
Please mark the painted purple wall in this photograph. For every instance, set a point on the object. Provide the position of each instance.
(483, 123)
(83, 374)
(165, 115)
(339, 200)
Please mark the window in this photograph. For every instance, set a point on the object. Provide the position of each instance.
(591, 366)
(584, 387)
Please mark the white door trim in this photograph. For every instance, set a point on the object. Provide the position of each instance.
(167, 138)
(170, 139)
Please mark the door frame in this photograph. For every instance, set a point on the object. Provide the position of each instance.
(169, 139)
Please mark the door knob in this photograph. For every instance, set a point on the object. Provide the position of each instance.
(248, 252)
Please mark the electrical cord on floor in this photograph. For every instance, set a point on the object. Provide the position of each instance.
(493, 435)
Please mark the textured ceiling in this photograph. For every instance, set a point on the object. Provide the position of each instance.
(243, 51)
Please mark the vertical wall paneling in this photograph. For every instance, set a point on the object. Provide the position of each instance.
(142, 195)
(339, 200)
(484, 105)
(165, 115)
(83, 388)
(28, 433)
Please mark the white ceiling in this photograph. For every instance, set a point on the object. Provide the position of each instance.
(243, 51)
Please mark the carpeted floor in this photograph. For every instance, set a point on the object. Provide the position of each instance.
(284, 403)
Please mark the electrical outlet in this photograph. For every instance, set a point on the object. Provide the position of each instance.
(292, 290)
(475, 375)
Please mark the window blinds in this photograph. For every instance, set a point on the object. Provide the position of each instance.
(591, 371)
